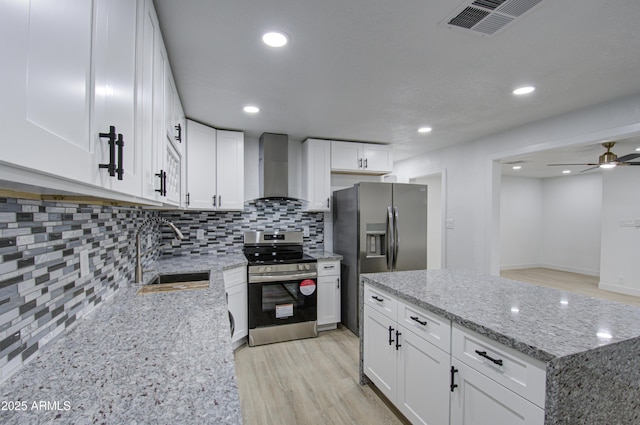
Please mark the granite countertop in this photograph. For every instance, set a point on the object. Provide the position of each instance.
(324, 255)
(161, 358)
(541, 322)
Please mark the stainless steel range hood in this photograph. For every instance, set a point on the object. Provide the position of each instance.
(274, 166)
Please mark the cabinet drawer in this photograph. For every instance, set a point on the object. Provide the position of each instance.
(381, 301)
(518, 372)
(328, 268)
(235, 276)
(433, 328)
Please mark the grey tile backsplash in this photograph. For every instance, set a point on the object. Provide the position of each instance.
(59, 260)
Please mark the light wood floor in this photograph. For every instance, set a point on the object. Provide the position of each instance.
(307, 382)
(566, 281)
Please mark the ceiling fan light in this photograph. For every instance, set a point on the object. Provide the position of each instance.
(608, 165)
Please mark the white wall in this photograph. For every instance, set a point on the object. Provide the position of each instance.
(620, 260)
(473, 188)
(434, 219)
(521, 223)
(572, 219)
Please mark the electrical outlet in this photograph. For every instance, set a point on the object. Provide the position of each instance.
(449, 223)
(200, 234)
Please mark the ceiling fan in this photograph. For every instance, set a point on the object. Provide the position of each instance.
(608, 159)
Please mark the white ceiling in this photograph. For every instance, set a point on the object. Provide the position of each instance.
(376, 70)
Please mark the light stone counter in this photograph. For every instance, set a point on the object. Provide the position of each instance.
(591, 347)
(162, 358)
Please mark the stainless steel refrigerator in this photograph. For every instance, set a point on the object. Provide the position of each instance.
(377, 227)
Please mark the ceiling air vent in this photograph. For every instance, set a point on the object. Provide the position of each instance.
(488, 17)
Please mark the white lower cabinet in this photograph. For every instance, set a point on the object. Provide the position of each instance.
(438, 374)
(235, 283)
(328, 294)
(423, 380)
(479, 400)
(411, 372)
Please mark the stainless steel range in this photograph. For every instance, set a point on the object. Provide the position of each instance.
(282, 287)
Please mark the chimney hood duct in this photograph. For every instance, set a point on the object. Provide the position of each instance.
(274, 166)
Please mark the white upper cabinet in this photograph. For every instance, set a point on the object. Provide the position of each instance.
(365, 158)
(316, 174)
(45, 112)
(230, 170)
(215, 168)
(114, 96)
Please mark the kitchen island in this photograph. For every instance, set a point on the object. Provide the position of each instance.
(589, 348)
(160, 358)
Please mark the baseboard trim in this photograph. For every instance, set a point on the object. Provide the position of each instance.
(619, 289)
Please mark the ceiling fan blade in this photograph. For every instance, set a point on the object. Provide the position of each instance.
(629, 157)
(565, 165)
(629, 163)
(589, 169)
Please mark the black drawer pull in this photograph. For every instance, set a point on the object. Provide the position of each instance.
(390, 335)
(486, 356)
(417, 319)
(453, 371)
(120, 145)
(398, 345)
(377, 298)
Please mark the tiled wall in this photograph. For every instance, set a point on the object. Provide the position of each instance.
(43, 290)
(223, 231)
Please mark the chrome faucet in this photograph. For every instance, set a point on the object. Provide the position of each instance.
(140, 254)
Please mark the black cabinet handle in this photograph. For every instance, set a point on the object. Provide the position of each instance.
(377, 298)
(120, 144)
(390, 335)
(111, 135)
(179, 130)
(417, 319)
(453, 371)
(360, 163)
(486, 356)
(188, 198)
(365, 163)
(163, 183)
(164, 178)
(398, 345)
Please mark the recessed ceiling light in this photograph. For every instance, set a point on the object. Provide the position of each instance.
(251, 109)
(566, 172)
(516, 167)
(524, 90)
(424, 129)
(275, 39)
(637, 149)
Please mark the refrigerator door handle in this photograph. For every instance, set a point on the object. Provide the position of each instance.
(390, 238)
(396, 235)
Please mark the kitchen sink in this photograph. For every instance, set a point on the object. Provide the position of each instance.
(170, 282)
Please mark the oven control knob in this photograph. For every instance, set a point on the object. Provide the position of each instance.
(300, 267)
(306, 266)
(268, 269)
(261, 270)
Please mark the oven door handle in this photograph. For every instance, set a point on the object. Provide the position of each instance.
(282, 278)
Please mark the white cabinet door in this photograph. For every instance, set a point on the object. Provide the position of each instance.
(151, 129)
(328, 299)
(478, 400)
(316, 174)
(377, 158)
(237, 305)
(45, 112)
(366, 158)
(230, 170)
(201, 170)
(423, 380)
(114, 56)
(380, 351)
(346, 156)
(173, 177)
